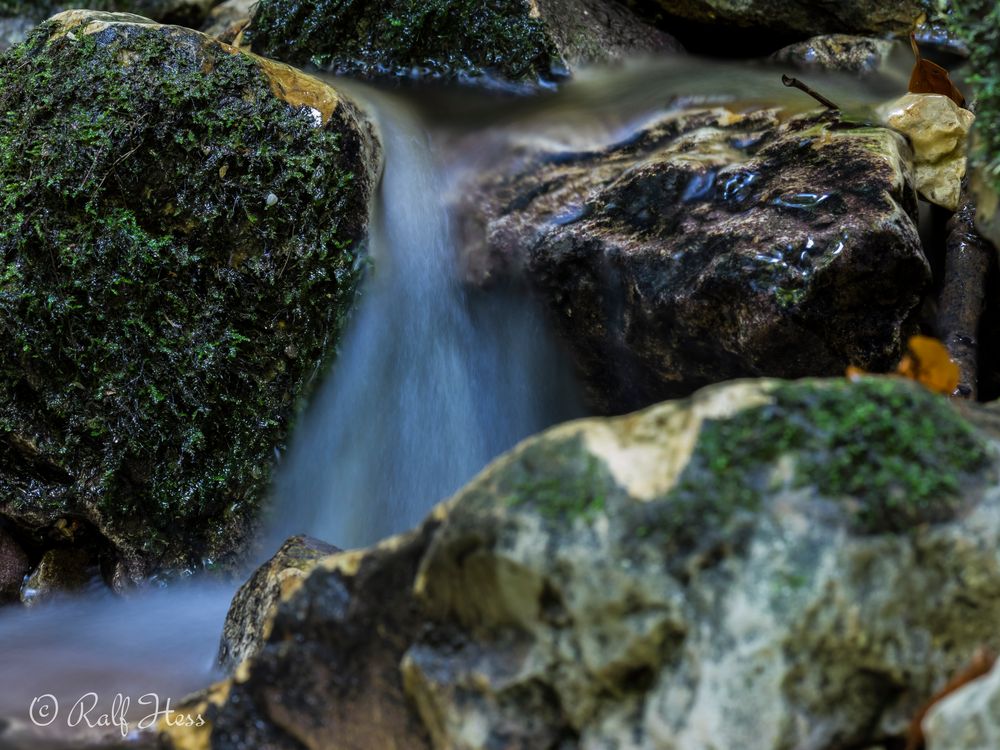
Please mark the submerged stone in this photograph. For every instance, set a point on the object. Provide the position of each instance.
(707, 246)
(764, 565)
(847, 53)
(149, 294)
(521, 43)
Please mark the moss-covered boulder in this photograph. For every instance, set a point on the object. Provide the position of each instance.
(709, 245)
(181, 235)
(766, 565)
(526, 43)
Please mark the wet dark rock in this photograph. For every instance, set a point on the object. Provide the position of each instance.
(710, 246)
(150, 293)
(765, 565)
(504, 43)
(14, 566)
(837, 52)
(187, 12)
(253, 607)
(63, 570)
(329, 663)
(805, 17)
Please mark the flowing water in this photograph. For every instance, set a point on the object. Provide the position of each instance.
(430, 383)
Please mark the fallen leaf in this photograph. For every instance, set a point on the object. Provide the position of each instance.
(930, 78)
(982, 662)
(927, 361)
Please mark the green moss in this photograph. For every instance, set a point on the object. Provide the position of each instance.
(570, 490)
(896, 451)
(450, 39)
(160, 319)
(977, 23)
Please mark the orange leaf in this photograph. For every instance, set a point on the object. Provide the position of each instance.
(982, 662)
(931, 78)
(927, 361)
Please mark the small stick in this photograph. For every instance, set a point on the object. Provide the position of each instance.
(797, 84)
(963, 295)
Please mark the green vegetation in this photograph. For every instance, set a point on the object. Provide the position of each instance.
(572, 490)
(450, 39)
(161, 315)
(977, 23)
(894, 448)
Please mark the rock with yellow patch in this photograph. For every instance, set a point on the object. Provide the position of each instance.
(765, 565)
(938, 128)
(249, 619)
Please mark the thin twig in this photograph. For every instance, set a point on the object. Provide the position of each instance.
(797, 84)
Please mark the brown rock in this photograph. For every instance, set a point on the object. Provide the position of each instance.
(248, 621)
(14, 566)
(62, 570)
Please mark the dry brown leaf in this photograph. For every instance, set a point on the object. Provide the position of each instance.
(930, 78)
(982, 662)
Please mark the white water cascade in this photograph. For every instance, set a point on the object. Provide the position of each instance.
(430, 383)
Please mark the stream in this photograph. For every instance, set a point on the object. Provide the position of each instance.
(431, 382)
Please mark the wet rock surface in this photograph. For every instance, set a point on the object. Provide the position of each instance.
(507, 43)
(14, 566)
(182, 237)
(61, 571)
(710, 245)
(187, 12)
(805, 17)
(249, 619)
(765, 565)
(837, 52)
(325, 691)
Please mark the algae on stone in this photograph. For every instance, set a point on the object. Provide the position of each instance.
(162, 315)
(518, 43)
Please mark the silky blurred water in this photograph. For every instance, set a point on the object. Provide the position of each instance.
(430, 383)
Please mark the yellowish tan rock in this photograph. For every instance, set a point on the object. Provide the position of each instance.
(937, 129)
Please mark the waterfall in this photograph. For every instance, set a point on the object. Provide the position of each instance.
(429, 384)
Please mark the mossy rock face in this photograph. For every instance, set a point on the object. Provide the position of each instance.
(527, 43)
(182, 236)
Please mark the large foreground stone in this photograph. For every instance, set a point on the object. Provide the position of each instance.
(526, 43)
(708, 246)
(766, 565)
(180, 241)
